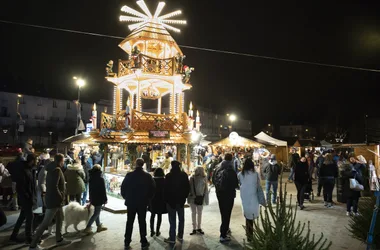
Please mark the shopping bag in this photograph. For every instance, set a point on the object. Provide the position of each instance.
(354, 185)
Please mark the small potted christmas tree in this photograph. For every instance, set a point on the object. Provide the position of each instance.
(277, 229)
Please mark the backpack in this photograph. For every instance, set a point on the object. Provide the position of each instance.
(219, 178)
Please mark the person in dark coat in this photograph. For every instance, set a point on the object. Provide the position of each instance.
(55, 198)
(15, 168)
(328, 174)
(158, 205)
(138, 190)
(301, 179)
(177, 189)
(350, 195)
(98, 197)
(27, 199)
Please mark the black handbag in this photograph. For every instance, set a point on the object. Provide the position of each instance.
(198, 198)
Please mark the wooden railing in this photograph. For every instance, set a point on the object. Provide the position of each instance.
(108, 121)
(141, 121)
(146, 64)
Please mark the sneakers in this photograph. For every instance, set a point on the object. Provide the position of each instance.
(326, 204)
(169, 241)
(101, 228)
(348, 213)
(225, 239)
(330, 205)
(63, 242)
(180, 238)
(152, 234)
(200, 231)
(36, 248)
(302, 207)
(356, 214)
(229, 232)
(158, 233)
(88, 230)
(194, 232)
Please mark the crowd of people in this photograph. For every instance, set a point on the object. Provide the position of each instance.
(51, 183)
(325, 168)
(57, 182)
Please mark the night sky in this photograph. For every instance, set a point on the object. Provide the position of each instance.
(265, 91)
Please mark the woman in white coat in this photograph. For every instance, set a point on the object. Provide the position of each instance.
(198, 187)
(249, 181)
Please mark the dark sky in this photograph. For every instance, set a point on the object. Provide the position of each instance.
(265, 91)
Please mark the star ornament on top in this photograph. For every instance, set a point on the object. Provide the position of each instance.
(147, 17)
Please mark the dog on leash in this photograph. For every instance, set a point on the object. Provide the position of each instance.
(76, 213)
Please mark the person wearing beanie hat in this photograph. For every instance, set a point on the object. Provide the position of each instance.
(271, 172)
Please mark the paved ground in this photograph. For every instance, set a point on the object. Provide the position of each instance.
(332, 222)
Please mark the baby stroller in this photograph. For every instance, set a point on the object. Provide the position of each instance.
(309, 194)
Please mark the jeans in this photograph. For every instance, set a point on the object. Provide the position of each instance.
(226, 203)
(352, 203)
(268, 185)
(76, 197)
(50, 214)
(300, 192)
(291, 176)
(141, 214)
(26, 215)
(320, 185)
(196, 210)
(159, 220)
(328, 187)
(84, 195)
(172, 213)
(95, 217)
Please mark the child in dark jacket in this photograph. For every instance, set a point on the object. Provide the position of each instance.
(98, 198)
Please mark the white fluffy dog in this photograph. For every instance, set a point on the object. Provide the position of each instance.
(76, 213)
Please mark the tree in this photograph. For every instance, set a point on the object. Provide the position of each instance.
(278, 229)
(359, 225)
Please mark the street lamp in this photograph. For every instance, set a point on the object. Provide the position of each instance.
(232, 119)
(80, 83)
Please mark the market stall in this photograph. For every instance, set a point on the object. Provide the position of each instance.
(275, 146)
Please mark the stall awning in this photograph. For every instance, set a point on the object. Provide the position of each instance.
(80, 139)
(270, 140)
(237, 142)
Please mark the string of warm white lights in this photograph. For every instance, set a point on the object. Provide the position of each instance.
(198, 48)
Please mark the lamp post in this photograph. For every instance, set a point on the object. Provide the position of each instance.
(232, 118)
(80, 83)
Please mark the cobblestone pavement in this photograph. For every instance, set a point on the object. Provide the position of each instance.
(332, 222)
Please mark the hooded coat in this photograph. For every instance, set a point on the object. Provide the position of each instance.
(74, 176)
(26, 187)
(55, 186)
(98, 195)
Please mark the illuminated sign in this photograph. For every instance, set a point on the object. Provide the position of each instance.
(165, 134)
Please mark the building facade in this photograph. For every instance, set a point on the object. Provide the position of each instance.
(217, 126)
(45, 120)
(298, 131)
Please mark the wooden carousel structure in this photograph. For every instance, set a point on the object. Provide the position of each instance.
(153, 70)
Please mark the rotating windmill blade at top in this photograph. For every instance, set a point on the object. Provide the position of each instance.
(142, 18)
